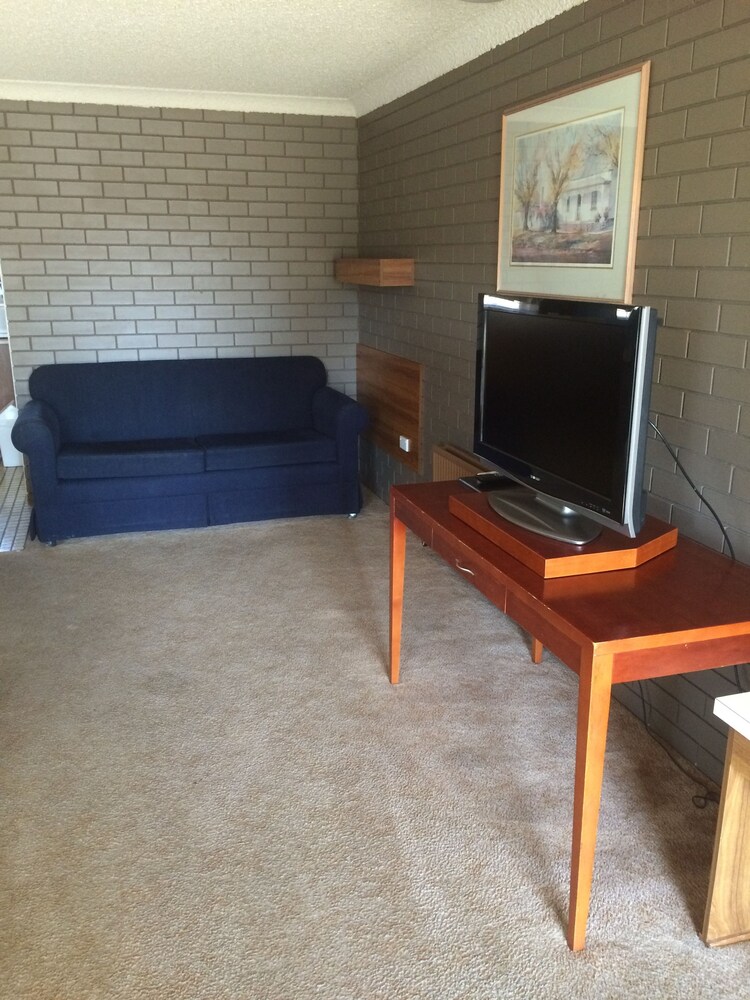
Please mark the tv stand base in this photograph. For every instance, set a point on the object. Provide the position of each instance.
(551, 558)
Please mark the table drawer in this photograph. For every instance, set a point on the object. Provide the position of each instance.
(470, 564)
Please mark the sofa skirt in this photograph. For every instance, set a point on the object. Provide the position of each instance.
(284, 501)
(53, 524)
(293, 496)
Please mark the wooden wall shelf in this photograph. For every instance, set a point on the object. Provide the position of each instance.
(380, 271)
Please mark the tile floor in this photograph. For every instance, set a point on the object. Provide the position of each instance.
(14, 511)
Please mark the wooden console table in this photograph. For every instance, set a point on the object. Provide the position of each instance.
(685, 610)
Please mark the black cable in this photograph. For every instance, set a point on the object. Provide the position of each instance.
(697, 492)
(700, 801)
(703, 500)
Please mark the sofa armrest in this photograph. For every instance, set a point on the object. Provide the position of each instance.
(36, 433)
(340, 417)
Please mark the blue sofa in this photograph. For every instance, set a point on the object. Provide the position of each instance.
(143, 445)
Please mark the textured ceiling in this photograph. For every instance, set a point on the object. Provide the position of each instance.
(316, 56)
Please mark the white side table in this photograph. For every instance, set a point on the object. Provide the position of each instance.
(727, 917)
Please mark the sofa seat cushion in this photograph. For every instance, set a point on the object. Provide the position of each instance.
(260, 450)
(119, 459)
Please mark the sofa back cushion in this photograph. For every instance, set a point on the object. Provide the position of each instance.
(143, 400)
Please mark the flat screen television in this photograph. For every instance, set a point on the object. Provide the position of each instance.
(562, 399)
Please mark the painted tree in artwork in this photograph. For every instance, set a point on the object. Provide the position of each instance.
(526, 182)
(604, 142)
(563, 155)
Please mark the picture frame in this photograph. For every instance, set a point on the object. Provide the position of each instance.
(570, 181)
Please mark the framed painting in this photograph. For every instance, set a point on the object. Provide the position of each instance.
(570, 184)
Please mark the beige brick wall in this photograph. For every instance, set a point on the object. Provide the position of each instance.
(429, 185)
(133, 233)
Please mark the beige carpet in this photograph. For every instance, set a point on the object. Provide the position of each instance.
(210, 790)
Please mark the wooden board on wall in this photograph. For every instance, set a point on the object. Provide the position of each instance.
(390, 389)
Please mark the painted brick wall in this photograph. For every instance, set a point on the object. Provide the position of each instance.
(134, 233)
(429, 185)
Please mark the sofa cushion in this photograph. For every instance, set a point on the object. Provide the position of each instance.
(117, 459)
(260, 450)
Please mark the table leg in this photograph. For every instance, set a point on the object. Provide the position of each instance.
(537, 650)
(594, 690)
(398, 559)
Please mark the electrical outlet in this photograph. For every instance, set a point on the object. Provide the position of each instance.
(404, 443)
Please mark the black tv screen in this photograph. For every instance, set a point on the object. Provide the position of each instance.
(563, 389)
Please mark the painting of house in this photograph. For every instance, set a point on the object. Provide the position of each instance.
(565, 186)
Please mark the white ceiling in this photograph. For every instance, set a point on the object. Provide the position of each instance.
(340, 57)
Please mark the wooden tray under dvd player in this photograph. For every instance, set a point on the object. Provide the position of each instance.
(550, 558)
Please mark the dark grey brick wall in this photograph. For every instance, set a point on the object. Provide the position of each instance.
(149, 233)
(429, 186)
